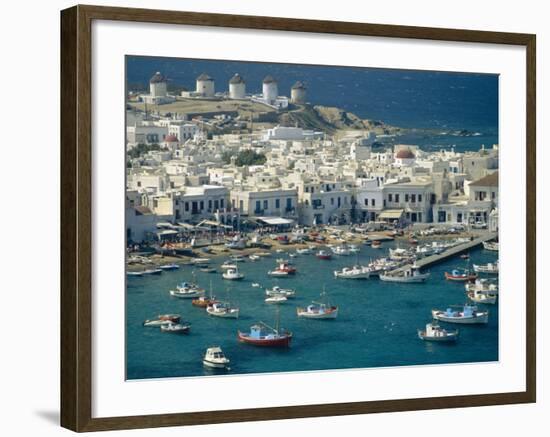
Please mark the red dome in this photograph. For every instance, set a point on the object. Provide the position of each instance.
(405, 154)
(171, 139)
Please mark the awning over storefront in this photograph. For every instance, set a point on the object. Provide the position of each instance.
(391, 214)
(275, 221)
(166, 233)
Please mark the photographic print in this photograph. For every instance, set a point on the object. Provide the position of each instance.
(291, 218)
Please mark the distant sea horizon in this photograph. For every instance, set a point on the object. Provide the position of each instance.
(413, 99)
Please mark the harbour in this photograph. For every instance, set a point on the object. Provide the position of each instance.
(376, 326)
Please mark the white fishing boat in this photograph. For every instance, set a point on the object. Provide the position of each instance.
(215, 358)
(163, 319)
(172, 266)
(483, 297)
(236, 243)
(292, 255)
(409, 275)
(489, 268)
(187, 290)
(341, 250)
(228, 265)
(318, 310)
(232, 274)
(176, 328)
(278, 291)
(237, 258)
(136, 273)
(400, 254)
(304, 251)
(353, 248)
(355, 272)
(464, 314)
(276, 299)
(491, 245)
(256, 285)
(253, 257)
(263, 254)
(200, 261)
(434, 332)
(485, 285)
(223, 309)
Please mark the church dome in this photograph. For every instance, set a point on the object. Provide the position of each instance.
(405, 154)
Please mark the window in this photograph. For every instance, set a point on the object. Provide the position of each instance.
(139, 183)
(216, 204)
(289, 203)
(277, 203)
(390, 197)
(366, 202)
(373, 202)
(210, 204)
(221, 203)
(407, 197)
(420, 198)
(187, 206)
(397, 198)
(413, 198)
(258, 205)
(265, 204)
(202, 205)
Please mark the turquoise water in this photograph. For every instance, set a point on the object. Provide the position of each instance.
(376, 325)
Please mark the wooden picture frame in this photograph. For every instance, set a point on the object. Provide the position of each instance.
(76, 217)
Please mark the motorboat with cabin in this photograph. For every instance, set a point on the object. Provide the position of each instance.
(187, 290)
(318, 310)
(434, 332)
(491, 245)
(323, 254)
(278, 291)
(223, 309)
(232, 274)
(482, 284)
(284, 269)
(215, 358)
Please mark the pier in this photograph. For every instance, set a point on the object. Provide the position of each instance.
(434, 259)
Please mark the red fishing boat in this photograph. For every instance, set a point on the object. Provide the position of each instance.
(460, 275)
(262, 335)
(284, 269)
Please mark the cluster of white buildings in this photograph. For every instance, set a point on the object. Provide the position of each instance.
(308, 178)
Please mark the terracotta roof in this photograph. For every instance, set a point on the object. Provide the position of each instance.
(157, 78)
(405, 154)
(204, 77)
(171, 139)
(269, 79)
(491, 180)
(236, 79)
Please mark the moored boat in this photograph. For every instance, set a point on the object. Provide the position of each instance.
(376, 244)
(319, 310)
(410, 275)
(434, 332)
(284, 269)
(223, 309)
(176, 328)
(187, 290)
(463, 314)
(485, 285)
(215, 358)
(232, 274)
(342, 250)
(264, 335)
(163, 319)
(172, 266)
(276, 299)
(355, 272)
(460, 275)
(489, 268)
(483, 297)
(228, 265)
(323, 254)
(278, 291)
(491, 245)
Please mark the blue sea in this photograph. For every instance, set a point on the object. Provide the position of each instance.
(376, 326)
(443, 101)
